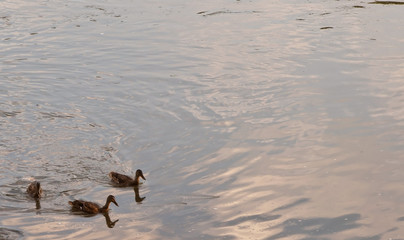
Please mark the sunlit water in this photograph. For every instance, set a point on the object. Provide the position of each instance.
(250, 119)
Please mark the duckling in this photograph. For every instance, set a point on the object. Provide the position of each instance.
(125, 181)
(91, 207)
(35, 190)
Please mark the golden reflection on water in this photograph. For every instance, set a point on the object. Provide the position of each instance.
(333, 190)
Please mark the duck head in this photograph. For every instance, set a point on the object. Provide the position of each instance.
(139, 173)
(110, 199)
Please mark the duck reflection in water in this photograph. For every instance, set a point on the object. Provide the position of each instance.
(108, 221)
(138, 199)
(37, 204)
(122, 180)
(35, 191)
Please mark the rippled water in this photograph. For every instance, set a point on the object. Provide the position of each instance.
(250, 119)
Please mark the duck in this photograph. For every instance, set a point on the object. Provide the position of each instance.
(124, 180)
(91, 207)
(35, 190)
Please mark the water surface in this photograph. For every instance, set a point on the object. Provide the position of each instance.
(249, 119)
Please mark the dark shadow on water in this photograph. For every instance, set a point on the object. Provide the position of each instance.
(253, 218)
(293, 204)
(313, 228)
(376, 237)
(261, 218)
(310, 228)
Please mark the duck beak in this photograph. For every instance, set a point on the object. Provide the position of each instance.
(113, 200)
(141, 175)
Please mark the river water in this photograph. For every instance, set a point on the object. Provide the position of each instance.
(250, 119)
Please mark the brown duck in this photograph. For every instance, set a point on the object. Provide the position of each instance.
(35, 190)
(91, 207)
(126, 181)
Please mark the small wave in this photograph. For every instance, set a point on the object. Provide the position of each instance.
(8, 233)
(388, 2)
(53, 115)
(207, 13)
(8, 114)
